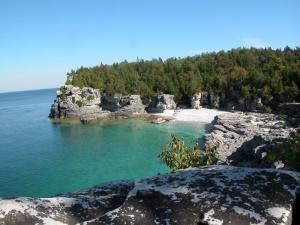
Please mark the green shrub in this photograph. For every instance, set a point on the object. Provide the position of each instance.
(282, 116)
(90, 97)
(289, 151)
(266, 93)
(63, 90)
(63, 97)
(268, 109)
(83, 94)
(79, 103)
(246, 92)
(73, 100)
(177, 156)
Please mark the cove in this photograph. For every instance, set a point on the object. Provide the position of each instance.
(40, 157)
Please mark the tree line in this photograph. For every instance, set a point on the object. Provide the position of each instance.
(242, 69)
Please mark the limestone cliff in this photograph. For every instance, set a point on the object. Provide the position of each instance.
(88, 105)
(204, 99)
(117, 102)
(74, 102)
(232, 101)
(160, 103)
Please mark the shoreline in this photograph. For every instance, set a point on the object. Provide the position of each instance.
(203, 115)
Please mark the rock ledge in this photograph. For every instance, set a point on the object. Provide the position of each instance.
(206, 195)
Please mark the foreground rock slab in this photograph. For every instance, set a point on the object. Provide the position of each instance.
(206, 195)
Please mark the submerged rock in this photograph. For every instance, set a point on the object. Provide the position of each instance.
(206, 195)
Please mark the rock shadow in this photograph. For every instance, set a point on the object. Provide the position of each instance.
(254, 152)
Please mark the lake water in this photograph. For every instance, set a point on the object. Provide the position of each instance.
(40, 157)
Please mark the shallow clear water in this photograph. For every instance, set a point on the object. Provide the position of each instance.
(39, 157)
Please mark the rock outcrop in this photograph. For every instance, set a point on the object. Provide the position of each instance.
(131, 104)
(232, 101)
(291, 110)
(204, 99)
(247, 138)
(206, 195)
(161, 103)
(74, 102)
(88, 105)
(238, 102)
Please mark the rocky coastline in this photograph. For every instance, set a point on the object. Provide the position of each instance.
(88, 105)
(247, 138)
(227, 193)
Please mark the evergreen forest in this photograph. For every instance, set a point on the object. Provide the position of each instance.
(242, 69)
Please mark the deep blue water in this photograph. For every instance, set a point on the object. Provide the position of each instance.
(39, 157)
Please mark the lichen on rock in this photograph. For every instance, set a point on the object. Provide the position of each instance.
(205, 195)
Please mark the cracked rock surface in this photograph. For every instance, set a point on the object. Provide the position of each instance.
(206, 195)
(247, 138)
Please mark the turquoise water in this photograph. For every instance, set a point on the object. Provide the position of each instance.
(39, 157)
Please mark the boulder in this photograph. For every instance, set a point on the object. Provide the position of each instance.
(161, 103)
(205, 195)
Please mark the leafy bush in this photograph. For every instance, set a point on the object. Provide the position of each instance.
(79, 103)
(73, 100)
(268, 109)
(90, 97)
(266, 93)
(289, 151)
(63, 97)
(246, 92)
(63, 90)
(83, 94)
(68, 82)
(177, 156)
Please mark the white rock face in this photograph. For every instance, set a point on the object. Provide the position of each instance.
(195, 101)
(74, 102)
(117, 102)
(204, 99)
(207, 195)
(161, 103)
(247, 138)
(88, 105)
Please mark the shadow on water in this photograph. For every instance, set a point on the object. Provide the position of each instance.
(208, 127)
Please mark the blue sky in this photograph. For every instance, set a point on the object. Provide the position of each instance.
(40, 41)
